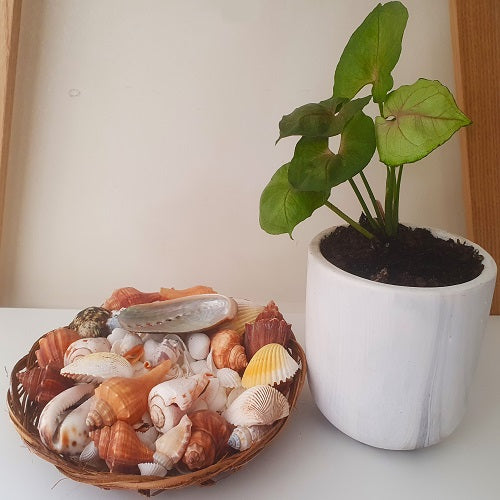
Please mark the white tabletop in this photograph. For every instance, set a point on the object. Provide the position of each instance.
(308, 459)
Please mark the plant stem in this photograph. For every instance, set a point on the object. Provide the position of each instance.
(359, 196)
(396, 197)
(389, 201)
(380, 216)
(381, 109)
(349, 221)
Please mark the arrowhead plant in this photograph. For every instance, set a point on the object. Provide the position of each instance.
(414, 120)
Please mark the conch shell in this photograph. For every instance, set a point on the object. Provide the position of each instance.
(172, 293)
(43, 384)
(129, 296)
(82, 347)
(171, 446)
(243, 437)
(227, 351)
(124, 398)
(120, 447)
(209, 436)
(91, 322)
(53, 346)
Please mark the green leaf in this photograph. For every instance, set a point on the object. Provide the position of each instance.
(314, 167)
(324, 119)
(372, 52)
(282, 207)
(416, 120)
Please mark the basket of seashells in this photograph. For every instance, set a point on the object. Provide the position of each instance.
(155, 391)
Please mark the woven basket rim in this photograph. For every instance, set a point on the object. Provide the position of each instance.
(24, 414)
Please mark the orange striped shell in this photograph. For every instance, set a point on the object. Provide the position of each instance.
(129, 296)
(54, 345)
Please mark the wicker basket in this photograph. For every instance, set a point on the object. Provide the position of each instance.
(25, 414)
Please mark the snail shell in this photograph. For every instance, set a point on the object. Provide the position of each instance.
(82, 347)
(171, 446)
(91, 322)
(129, 296)
(54, 345)
(243, 437)
(209, 436)
(227, 351)
(43, 384)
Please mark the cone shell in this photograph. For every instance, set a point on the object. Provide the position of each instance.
(91, 322)
(120, 447)
(82, 347)
(266, 331)
(247, 313)
(209, 436)
(171, 446)
(270, 365)
(129, 296)
(43, 384)
(124, 398)
(53, 346)
(98, 367)
(259, 405)
(243, 437)
(227, 351)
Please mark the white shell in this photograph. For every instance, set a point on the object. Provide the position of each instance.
(165, 417)
(198, 345)
(146, 431)
(152, 469)
(90, 453)
(97, 367)
(199, 404)
(234, 394)
(259, 405)
(171, 446)
(211, 364)
(84, 346)
(243, 437)
(124, 344)
(229, 378)
(117, 334)
(214, 395)
(199, 366)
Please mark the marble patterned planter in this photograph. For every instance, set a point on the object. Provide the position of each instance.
(390, 365)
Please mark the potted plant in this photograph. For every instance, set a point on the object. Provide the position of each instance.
(394, 314)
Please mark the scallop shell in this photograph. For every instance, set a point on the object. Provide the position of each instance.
(120, 447)
(259, 405)
(194, 313)
(172, 293)
(43, 384)
(227, 351)
(82, 347)
(124, 398)
(229, 378)
(243, 437)
(97, 367)
(91, 322)
(266, 331)
(198, 345)
(152, 469)
(53, 346)
(171, 446)
(270, 365)
(247, 313)
(129, 296)
(90, 453)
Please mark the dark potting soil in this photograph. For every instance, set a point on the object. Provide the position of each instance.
(414, 258)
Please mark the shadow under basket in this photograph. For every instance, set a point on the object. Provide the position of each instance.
(25, 413)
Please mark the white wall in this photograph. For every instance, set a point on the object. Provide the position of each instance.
(144, 134)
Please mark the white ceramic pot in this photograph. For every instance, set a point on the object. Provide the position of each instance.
(391, 365)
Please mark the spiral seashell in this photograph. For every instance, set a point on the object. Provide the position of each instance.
(270, 365)
(98, 367)
(165, 417)
(120, 447)
(172, 293)
(53, 346)
(266, 331)
(194, 313)
(82, 347)
(125, 343)
(214, 395)
(259, 405)
(129, 296)
(229, 378)
(208, 441)
(152, 469)
(227, 351)
(247, 313)
(43, 384)
(171, 446)
(91, 322)
(198, 345)
(243, 437)
(124, 398)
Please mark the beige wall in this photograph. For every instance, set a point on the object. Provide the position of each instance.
(144, 134)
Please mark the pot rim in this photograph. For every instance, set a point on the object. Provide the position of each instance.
(488, 273)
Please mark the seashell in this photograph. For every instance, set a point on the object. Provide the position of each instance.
(200, 366)
(269, 312)
(259, 405)
(170, 447)
(243, 437)
(194, 313)
(270, 365)
(152, 469)
(91, 322)
(125, 342)
(172, 293)
(247, 313)
(199, 404)
(129, 296)
(165, 417)
(124, 398)
(98, 367)
(134, 355)
(90, 453)
(266, 331)
(208, 441)
(211, 365)
(214, 395)
(120, 447)
(62, 430)
(82, 347)
(227, 351)
(146, 431)
(233, 394)
(53, 346)
(198, 345)
(117, 334)
(43, 384)
(229, 378)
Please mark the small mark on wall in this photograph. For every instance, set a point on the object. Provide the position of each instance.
(74, 92)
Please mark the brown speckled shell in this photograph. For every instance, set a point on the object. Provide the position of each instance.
(209, 435)
(129, 296)
(43, 384)
(227, 350)
(91, 322)
(53, 346)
